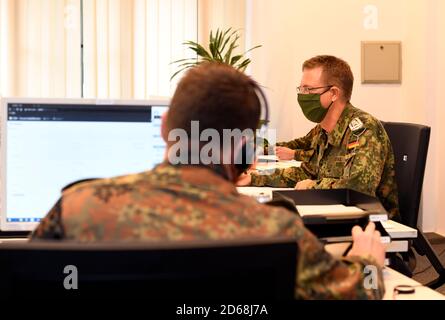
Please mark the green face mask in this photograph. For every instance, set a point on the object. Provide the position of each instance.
(311, 106)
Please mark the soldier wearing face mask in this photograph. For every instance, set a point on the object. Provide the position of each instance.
(348, 148)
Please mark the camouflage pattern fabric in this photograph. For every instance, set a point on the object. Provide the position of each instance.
(360, 160)
(188, 203)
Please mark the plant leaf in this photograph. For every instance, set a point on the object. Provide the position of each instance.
(243, 65)
(227, 39)
(218, 43)
(179, 71)
(212, 49)
(201, 52)
(218, 39)
(199, 49)
(191, 64)
(181, 60)
(235, 59)
(233, 46)
(212, 40)
(256, 47)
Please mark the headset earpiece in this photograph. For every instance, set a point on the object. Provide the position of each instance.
(249, 149)
(246, 156)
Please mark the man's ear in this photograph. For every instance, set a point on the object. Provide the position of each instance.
(336, 93)
(164, 127)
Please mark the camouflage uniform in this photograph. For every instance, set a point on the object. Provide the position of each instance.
(360, 159)
(184, 203)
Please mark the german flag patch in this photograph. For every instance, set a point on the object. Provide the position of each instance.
(353, 145)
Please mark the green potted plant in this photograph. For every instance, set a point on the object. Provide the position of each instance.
(221, 48)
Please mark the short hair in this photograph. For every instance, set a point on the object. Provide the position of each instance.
(218, 96)
(335, 72)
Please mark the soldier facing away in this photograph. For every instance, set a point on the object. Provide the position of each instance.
(200, 202)
(348, 148)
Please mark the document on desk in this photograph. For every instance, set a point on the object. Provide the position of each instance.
(255, 191)
(268, 158)
(262, 194)
(267, 166)
(337, 211)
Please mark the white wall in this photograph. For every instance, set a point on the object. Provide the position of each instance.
(292, 31)
(436, 78)
(222, 14)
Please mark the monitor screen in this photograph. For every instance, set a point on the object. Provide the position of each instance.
(47, 145)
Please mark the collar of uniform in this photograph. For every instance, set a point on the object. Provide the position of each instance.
(318, 134)
(335, 137)
(199, 177)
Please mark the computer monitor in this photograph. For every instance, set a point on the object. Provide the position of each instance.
(47, 144)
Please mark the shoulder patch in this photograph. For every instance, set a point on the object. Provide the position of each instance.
(353, 145)
(356, 124)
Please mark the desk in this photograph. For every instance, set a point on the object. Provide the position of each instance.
(400, 234)
(13, 240)
(393, 278)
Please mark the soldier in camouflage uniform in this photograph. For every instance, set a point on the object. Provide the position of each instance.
(188, 202)
(353, 152)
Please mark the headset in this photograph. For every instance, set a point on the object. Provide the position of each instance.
(249, 150)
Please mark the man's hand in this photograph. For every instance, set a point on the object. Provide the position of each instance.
(244, 180)
(367, 243)
(284, 153)
(305, 184)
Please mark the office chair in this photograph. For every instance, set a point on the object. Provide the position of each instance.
(184, 271)
(410, 144)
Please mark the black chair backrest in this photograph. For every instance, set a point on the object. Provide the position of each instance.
(217, 270)
(410, 144)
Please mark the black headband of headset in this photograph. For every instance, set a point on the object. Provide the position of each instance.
(264, 104)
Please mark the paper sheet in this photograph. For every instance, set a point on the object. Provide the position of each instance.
(329, 210)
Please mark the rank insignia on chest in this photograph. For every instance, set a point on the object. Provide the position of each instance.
(353, 145)
(356, 124)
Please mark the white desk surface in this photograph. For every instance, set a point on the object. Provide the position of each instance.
(393, 278)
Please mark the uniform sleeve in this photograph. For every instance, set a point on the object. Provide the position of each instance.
(302, 146)
(321, 276)
(280, 178)
(363, 169)
(51, 227)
